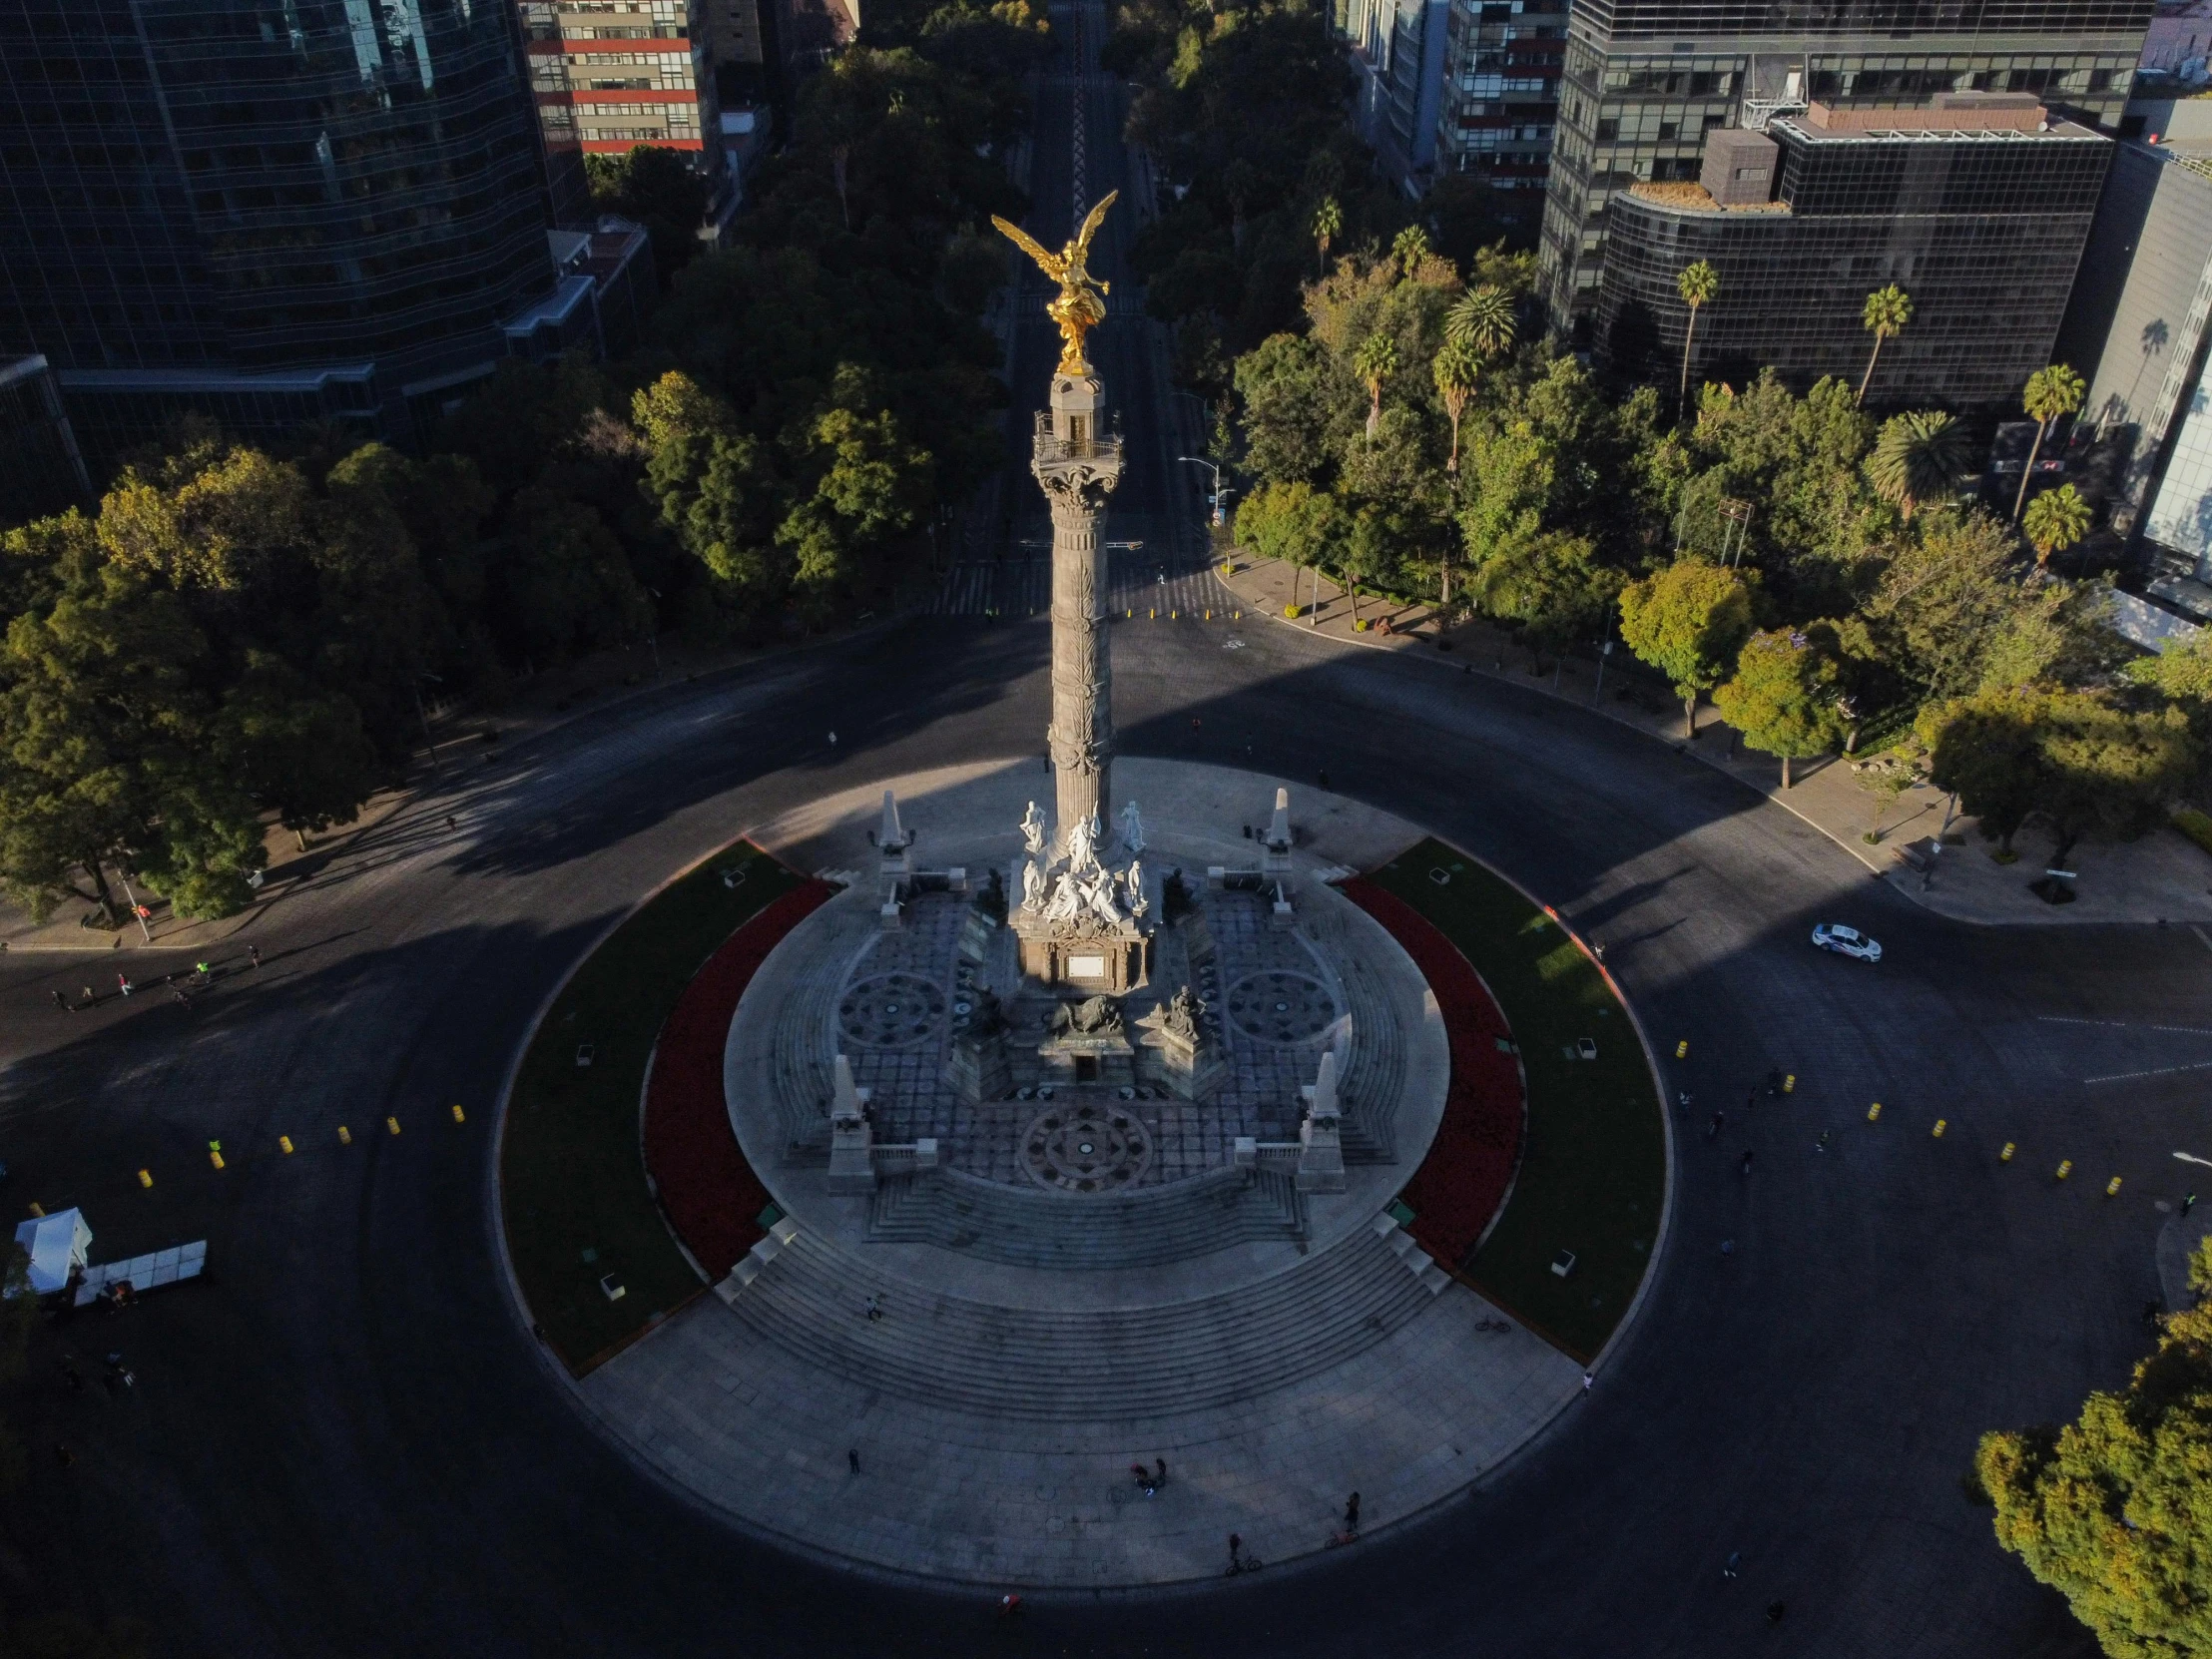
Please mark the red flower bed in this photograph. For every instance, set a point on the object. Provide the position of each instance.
(710, 1195)
(1462, 1181)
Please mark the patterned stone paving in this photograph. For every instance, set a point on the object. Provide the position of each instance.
(895, 1018)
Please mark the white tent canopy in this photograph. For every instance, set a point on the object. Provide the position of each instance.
(57, 1243)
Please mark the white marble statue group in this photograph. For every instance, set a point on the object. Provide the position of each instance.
(1085, 890)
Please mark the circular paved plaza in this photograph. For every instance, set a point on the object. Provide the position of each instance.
(1056, 1272)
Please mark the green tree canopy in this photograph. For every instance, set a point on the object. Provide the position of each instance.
(2114, 1509)
(1688, 621)
(1782, 698)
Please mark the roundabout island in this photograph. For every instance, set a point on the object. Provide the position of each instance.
(1020, 1238)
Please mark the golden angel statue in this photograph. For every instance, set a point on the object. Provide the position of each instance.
(1081, 305)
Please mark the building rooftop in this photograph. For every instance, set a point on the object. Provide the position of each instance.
(1934, 127)
(1688, 195)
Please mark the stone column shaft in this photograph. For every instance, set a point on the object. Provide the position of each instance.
(1078, 466)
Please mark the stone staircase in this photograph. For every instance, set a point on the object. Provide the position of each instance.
(1000, 1222)
(809, 1299)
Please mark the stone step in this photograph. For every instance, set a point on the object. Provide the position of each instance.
(1002, 1223)
(1116, 1364)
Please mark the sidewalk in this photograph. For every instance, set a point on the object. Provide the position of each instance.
(2163, 878)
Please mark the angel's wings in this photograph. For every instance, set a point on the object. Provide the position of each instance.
(1047, 261)
(1092, 222)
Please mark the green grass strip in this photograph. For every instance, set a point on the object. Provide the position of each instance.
(1593, 1169)
(572, 1177)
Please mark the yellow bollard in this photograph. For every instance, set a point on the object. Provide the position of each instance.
(1209, 616)
(2005, 1157)
(345, 1136)
(1236, 616)
(1173, 615)
(2113, 1188)
(458, 1116)
(1682, 1049)
(285, 1141)
(1128, 616)
(216, 1158)
(1941, 1124)
(2065, 1168)
(393, 1124)
(1873, 1112)
(1788, 1084)
(146, 1178)
(1151, 615)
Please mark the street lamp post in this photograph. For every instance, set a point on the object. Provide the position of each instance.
(1215, 469)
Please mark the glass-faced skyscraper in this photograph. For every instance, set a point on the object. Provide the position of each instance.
(1646, 80)
(320, 206)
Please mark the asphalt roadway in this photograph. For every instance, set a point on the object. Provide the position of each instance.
(345, 1444)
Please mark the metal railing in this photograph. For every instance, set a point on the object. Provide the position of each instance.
(1106, 446)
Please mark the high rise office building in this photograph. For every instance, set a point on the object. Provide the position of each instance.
(1646, 80)
(691, 76)
(1977, 206)
(1500, 102)
(275, 211)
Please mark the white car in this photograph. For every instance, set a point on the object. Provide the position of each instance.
(1846, 942)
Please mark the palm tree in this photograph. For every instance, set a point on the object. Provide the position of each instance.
(1697, 285)
(1409, 247)
(1375, 362)
(1455, 367)
(1918, 457)
(1887, 312)
(2052, 392)
(1484, 318)
(2057, 518)
(1328, 225)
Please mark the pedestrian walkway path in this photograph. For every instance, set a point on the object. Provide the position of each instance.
(2162, 877)
(763, 1410)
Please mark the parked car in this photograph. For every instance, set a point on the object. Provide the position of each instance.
(1846, 942)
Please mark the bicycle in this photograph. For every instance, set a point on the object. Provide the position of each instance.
(1494, 1325)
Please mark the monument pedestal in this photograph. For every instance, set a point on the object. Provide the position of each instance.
(1113, 963)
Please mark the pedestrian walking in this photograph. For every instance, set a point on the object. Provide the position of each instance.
(1599, 950)
(1775, 1610)
(1589, 1381)
(1160, 1469)
(178, 992)
(1008, 1605)
(1745, 1165)
(1751, 1098)
(1235, 1547)
(1821, 1145)
(1352, 1514)
(874, 1307)
(1322, 774)
(1143, 1477)
(1728, 1247)
(1735, 1561)
(252, 955)
(123, 984)
(2188, 1203)
(832, 740)
(1713, 1129)
(853, 1456)
(62, 1002)
(89, 999)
